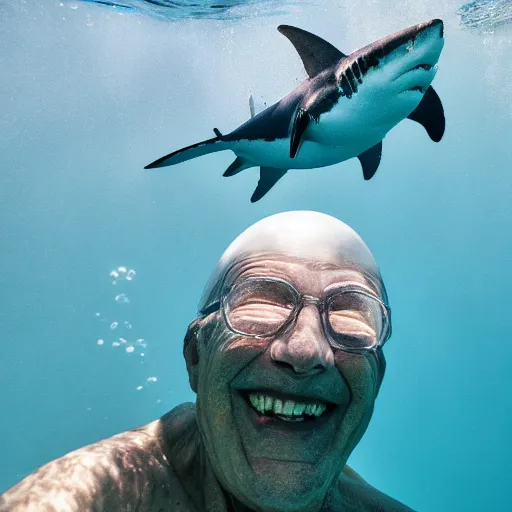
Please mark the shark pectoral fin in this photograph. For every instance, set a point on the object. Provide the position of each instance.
(316, 53)
(269, 176)
(430, 114)
(237, 166)
(300, 123)
(370, 160)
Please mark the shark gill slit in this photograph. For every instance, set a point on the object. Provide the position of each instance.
(345, 86)
(357, 72)
(351, 79)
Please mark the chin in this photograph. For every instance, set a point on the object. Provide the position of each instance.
(286, 486)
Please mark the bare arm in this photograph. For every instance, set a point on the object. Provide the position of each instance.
(127, 472)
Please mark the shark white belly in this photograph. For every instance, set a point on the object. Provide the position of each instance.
(276, 154)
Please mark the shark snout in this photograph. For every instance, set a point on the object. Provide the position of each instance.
(436, 27)
(410, 57)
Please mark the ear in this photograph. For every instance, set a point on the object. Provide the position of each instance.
(190, 352)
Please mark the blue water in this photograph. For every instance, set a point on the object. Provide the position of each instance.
(89, 96)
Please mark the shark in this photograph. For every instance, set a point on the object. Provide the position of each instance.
(343, 110)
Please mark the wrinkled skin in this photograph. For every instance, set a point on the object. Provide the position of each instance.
(217, 455)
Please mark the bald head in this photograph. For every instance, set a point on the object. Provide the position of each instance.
(300, 235)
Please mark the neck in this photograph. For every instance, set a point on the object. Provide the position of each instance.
(187, 457)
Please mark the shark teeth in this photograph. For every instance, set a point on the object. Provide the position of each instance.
(288, 410)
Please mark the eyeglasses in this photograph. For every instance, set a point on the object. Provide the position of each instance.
(353, 318)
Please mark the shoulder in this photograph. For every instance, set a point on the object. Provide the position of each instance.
(119, 473)
(353, 493)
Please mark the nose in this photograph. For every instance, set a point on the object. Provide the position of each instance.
(305, 350)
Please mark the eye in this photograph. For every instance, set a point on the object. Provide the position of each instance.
(355, 320)
(259, 307)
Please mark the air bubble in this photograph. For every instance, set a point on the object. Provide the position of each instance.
(100, 342)
(151, 379)
(130, 349)
(141, 342)
(114, 325)
(130, 275)
(138, 388)
(121, 298)
(116, 343)
(122, 340)
(127, 325)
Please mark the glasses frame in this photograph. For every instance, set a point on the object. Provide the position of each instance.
(302, 300)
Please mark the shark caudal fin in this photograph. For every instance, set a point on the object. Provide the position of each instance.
(194, 151)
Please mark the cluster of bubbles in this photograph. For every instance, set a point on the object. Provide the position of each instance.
(138, 345)
(122, 274)
(121, 330)
(129, 347)
(149, 380)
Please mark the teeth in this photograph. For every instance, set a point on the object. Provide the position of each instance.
(320, 409)
(298, 409)
(287, 409)
(254, 401)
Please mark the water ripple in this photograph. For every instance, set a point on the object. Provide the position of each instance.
(191, 9)
(486, 15)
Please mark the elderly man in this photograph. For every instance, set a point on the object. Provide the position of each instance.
(286, 360)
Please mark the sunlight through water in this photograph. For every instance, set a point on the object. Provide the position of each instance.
(183, 9)
(486, 15)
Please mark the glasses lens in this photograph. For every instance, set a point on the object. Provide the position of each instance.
(259, 307)
(356, 320)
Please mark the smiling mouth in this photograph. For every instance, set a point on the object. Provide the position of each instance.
(288, 409)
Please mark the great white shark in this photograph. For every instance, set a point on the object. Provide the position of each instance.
(343, 110)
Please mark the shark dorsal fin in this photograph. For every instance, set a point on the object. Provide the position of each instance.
(316, 53)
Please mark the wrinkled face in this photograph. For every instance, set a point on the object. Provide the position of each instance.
(281, 415)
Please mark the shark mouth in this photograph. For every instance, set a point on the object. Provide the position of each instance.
(270, 406)
(420, 67)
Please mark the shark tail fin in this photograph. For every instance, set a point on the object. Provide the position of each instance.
(188, 153)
